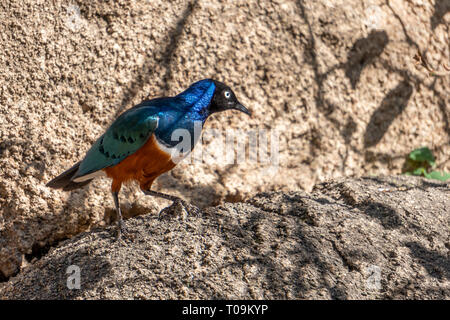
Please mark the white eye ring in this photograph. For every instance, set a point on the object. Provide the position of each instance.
(227, 94)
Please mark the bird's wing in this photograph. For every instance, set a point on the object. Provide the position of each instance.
(124, 137)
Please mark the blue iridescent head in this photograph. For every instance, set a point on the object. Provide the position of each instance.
(210, 96)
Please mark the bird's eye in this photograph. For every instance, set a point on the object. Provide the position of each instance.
(227, 94)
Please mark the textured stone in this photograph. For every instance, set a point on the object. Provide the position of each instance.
(367, 238)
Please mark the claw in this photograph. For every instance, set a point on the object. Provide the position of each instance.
(121, 230)
(179, 208)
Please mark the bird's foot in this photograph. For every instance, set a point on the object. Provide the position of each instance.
(179, 208)
(121, 230)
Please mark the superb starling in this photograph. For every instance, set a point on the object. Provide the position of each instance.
(139, 145)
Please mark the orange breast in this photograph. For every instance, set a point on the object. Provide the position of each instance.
(144, 166)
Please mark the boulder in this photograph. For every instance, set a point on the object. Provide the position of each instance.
(367, 238)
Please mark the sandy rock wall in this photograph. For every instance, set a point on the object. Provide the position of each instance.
(339, 80)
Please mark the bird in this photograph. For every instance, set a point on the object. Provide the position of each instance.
(145, 142)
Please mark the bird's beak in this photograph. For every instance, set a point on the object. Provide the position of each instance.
(240, 107)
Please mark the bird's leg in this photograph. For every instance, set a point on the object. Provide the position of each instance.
(177, 207)
(120, 224)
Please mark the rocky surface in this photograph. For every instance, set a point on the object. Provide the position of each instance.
(368, 238)
(339, 81)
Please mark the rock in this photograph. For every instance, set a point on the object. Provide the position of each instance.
(367, 238)
(339, 81)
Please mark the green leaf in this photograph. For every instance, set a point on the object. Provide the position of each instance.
(419, 171)
(442, 176)
(421, 155)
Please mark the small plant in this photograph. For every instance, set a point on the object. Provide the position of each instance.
(421, 162)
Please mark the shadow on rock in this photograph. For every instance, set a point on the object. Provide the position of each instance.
(437, 265)
(441, 8)
(387, 216)
(363, 53)
(390, 108)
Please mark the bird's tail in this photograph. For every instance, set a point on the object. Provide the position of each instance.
(63, 181)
